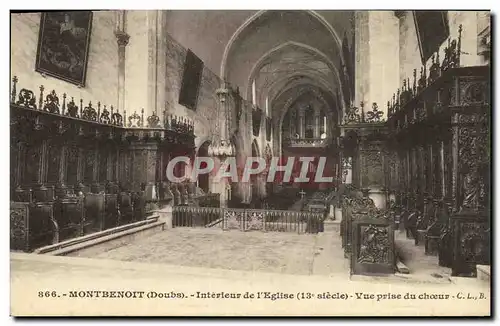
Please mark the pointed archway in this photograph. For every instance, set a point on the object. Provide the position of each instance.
(204, 179)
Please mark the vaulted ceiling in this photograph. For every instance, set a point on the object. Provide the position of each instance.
(285, 52)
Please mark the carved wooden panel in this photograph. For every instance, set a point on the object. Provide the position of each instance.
(474, 155)
(72, 165)
(471, 242)
(372, 246)
(89, 161)
(372, 173)
(103, 164)
(32, 165)
(53, 162)
(113, 162)
(473, 91)
(19, 226)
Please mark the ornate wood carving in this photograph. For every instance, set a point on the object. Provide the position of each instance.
(19, 226)
(374, 245)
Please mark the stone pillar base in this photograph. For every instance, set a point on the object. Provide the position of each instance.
(165, 215)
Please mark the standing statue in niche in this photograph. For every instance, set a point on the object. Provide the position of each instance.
(470, 189)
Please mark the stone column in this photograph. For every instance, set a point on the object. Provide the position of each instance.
(317, 122)
(377, 39)
(293, 124)
(145, 62)
(301, 122)
(122, 39)
(347, 170)
(152, 34)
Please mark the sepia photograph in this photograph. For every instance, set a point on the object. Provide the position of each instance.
(250, 163)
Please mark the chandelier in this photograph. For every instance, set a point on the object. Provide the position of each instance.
(221, 148)
(221, 145)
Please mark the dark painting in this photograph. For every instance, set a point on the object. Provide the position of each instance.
(191, 80)
(432, 30)
(63, 45)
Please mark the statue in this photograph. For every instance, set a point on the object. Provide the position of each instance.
(470, 190)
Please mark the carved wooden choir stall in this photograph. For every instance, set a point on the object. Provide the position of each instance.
(78, 169)
(436, 159)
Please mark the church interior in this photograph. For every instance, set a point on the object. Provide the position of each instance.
(398, 102)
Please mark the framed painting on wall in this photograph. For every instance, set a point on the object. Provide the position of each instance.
(63, 45)
(432, 30)
(191, 81)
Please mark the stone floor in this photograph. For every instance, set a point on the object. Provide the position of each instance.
(275, 252)
(416, 260)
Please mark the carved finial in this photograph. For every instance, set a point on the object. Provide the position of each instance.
(362, 105)
(63, 104)
(414, 81)
(459, 46)
(40, 100)
(14, 89)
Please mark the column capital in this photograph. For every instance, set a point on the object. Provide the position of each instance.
(122, 38)
(222, 93)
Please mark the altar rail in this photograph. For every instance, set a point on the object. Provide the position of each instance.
(248, 219)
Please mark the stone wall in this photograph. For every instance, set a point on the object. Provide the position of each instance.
(206, 113)
(103, 57)
(409, 55)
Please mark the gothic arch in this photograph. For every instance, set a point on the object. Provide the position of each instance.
(312, 80)
(292, 44)
(279, 122)
(292, 100)
(255, 149)
(257, 15)
(203, 179)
